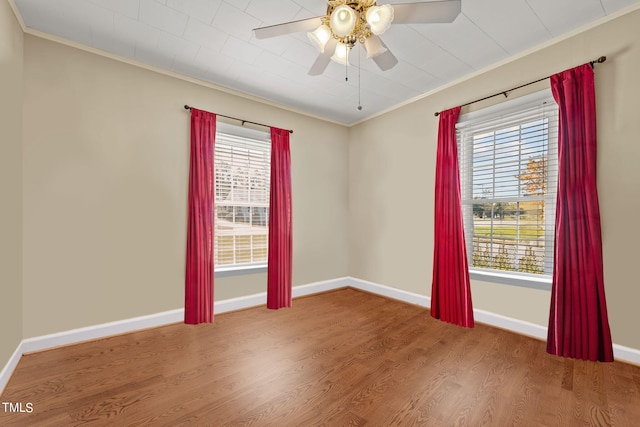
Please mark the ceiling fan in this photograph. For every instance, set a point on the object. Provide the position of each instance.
(348, 22)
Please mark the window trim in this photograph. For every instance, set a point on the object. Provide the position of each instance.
(247, 268)
(524, 280)
(240, 269)
(527, 280)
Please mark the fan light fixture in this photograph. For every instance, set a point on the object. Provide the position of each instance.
(379, 18)
(342, 20)
(320, 36)
(341, 54)
(350, 21)
(374, 47)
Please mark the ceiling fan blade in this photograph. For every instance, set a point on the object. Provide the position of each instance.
(431, 12)
(303, 25)
(386, 60)
(322, 61)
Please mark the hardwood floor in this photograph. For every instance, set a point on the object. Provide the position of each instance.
(340, 358)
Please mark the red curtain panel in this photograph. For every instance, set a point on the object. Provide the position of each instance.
(450, 289)
(578, 321)
(280, 223)
(198, 295)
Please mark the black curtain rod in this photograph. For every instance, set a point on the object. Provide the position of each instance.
(186, 107)
(506, 92)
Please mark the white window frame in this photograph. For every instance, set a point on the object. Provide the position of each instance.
(252, 134)
(496, 112)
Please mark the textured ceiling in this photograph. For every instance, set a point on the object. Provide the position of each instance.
(212, 40)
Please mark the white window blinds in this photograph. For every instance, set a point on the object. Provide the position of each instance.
(508, 170)
(242, 170)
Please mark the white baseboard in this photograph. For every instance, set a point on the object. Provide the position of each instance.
(514, 325)
(261, 298)
(8, 369)
(104, 330)
(101, 331)
(88, 333)
(626, 354)
(74, 336)
(164, 318)
(324, 286)
(522, 327)
(481, 316)
(393, 293)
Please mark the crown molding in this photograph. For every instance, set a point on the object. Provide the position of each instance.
(582, 29)
(173, 74)
(16, 12)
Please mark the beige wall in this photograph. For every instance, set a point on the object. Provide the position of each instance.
(11, 42)
(392, 170)
(105, 189)
(105, 158)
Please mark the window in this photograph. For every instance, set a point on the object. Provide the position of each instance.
(508, 173)
(242, 169)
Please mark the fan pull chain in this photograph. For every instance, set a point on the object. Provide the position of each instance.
(359, 103)
(346, 68)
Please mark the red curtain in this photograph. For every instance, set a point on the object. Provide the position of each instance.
(578, 322)
(280, 225)
(198, 295)
(450, 289)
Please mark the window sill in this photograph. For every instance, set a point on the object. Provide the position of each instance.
(239, 270)
(527, 281)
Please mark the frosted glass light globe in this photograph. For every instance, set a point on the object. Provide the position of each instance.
(379, 18)
(341, 54)
(342, 20)
(320, 36)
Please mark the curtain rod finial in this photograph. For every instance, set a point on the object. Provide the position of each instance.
(186, 107)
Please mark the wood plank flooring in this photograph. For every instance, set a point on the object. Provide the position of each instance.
(335, 359)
